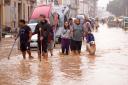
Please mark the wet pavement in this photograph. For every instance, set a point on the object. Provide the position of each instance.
(108, 67)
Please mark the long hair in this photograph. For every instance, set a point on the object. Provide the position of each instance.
(68, 27)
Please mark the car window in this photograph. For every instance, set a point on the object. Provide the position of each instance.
(33, 21)
(32, 27)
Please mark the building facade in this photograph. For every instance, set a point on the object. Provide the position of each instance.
(74, 7)
(12, 11)
(47, 2)
(88, 7)
(1, 13)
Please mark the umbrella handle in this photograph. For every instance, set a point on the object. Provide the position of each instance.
(40, 43)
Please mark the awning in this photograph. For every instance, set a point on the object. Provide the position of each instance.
(43, 9)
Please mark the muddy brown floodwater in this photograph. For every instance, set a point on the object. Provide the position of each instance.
(5, 47)
(108, 67)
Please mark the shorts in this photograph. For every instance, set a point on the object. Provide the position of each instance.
(44, 46)
(76, 45)
(24, 46)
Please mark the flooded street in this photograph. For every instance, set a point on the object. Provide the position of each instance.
(108, 67)
(5, 47)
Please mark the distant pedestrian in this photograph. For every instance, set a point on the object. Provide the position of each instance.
(65, 38)
(96, 24)
(42, 29)
(25, 34)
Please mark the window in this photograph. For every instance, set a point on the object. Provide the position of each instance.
(7, 2)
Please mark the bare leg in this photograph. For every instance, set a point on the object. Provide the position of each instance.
(46, 56)
(29, 53)
(51, 52)
(74, 52)
(24, 54)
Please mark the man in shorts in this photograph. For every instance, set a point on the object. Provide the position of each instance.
(25, 34)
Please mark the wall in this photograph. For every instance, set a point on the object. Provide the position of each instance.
(15, 11)
(74, 8)
(87, 7)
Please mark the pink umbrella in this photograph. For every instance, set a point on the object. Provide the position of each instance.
(42, 9)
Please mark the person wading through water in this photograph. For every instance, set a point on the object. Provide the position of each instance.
(42, 29)
(25, 34)
(90, 39)
(71, 26)
(65, 38)
(77, 36)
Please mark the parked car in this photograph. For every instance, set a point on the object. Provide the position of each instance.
(34, 38)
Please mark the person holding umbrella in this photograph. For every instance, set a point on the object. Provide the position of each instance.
(42, 29)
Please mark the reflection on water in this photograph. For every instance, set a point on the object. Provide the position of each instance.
(70, 66)
(108, 67)
(24, 70)
(45, 74)
(91, 58)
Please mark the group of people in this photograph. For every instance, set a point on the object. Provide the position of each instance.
(72, 35)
